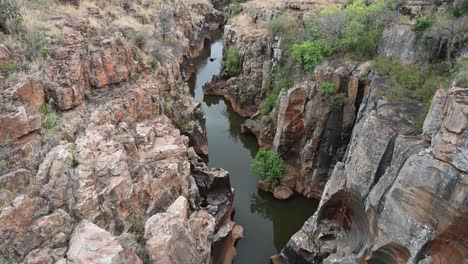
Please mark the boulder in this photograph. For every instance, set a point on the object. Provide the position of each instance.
(282, 192)
(18, 123)
(91, 244)
(172, 238)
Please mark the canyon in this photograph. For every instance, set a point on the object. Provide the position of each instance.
(126, 138)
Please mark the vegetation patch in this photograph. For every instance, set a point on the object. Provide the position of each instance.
(269, 165)
(269, 103)
(49, 121)
(3, 165)
(7, 67)
(422, 24)
(460, 73)
(136, 223)
(408, 83)
(10, 16)
(356, 28)
(232, 62)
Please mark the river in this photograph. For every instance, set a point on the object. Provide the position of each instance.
(268, 223)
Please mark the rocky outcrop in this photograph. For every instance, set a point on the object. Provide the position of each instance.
(396, 178)
(91, 244)
(312, 128)
(173, 237)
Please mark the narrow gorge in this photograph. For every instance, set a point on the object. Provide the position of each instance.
(233, 131)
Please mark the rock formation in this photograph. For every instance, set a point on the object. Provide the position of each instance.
(92, 167)
(400, 194)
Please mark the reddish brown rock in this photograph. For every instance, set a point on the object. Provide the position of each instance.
(19, 123)
(112, 65)
(282, 192)
(30, 93)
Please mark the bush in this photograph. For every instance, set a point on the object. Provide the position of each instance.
(140, 41)
(10, 16)
(310, 53)
(460, 73)
(328, 88)
(287, 26)
(269, 165)
(3, 165)
(460, 9)
(49, 122)
(35, 44)
(232, 62)
(269, 103)
(422, 24)
(7, 67)
(406, 76)
(356, 28)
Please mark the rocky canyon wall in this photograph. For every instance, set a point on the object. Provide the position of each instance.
(92, 167)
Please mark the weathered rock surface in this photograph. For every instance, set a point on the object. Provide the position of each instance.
(91, 244)
(173, 237)
(392, 180)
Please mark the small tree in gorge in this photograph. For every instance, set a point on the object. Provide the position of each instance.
(269, 165)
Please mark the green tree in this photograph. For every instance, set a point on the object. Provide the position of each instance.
(269, 165)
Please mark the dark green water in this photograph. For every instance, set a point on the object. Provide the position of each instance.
(268, 223)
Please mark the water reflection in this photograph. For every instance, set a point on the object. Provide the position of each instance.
(268, 223)
(284, 214)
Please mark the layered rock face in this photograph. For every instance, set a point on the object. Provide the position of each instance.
(396, 198)
(312, 128)
(92, 166)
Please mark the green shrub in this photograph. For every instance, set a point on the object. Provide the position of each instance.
(310, 53)
(10, 16)
(45, 52)
(269, 103)
(3, 165)
(140, 41)
(35, 44)
(426, 91)
(44, 108)
(269, 165)
(288, 27)
(460, 73)
(232, 62)
(460, 9)
(422, 24)
(7, 67)
(337, 100)
(137, 56)
(406, 76)
(95, 175)
(49, 121)
(328, 88)
(356, 28)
